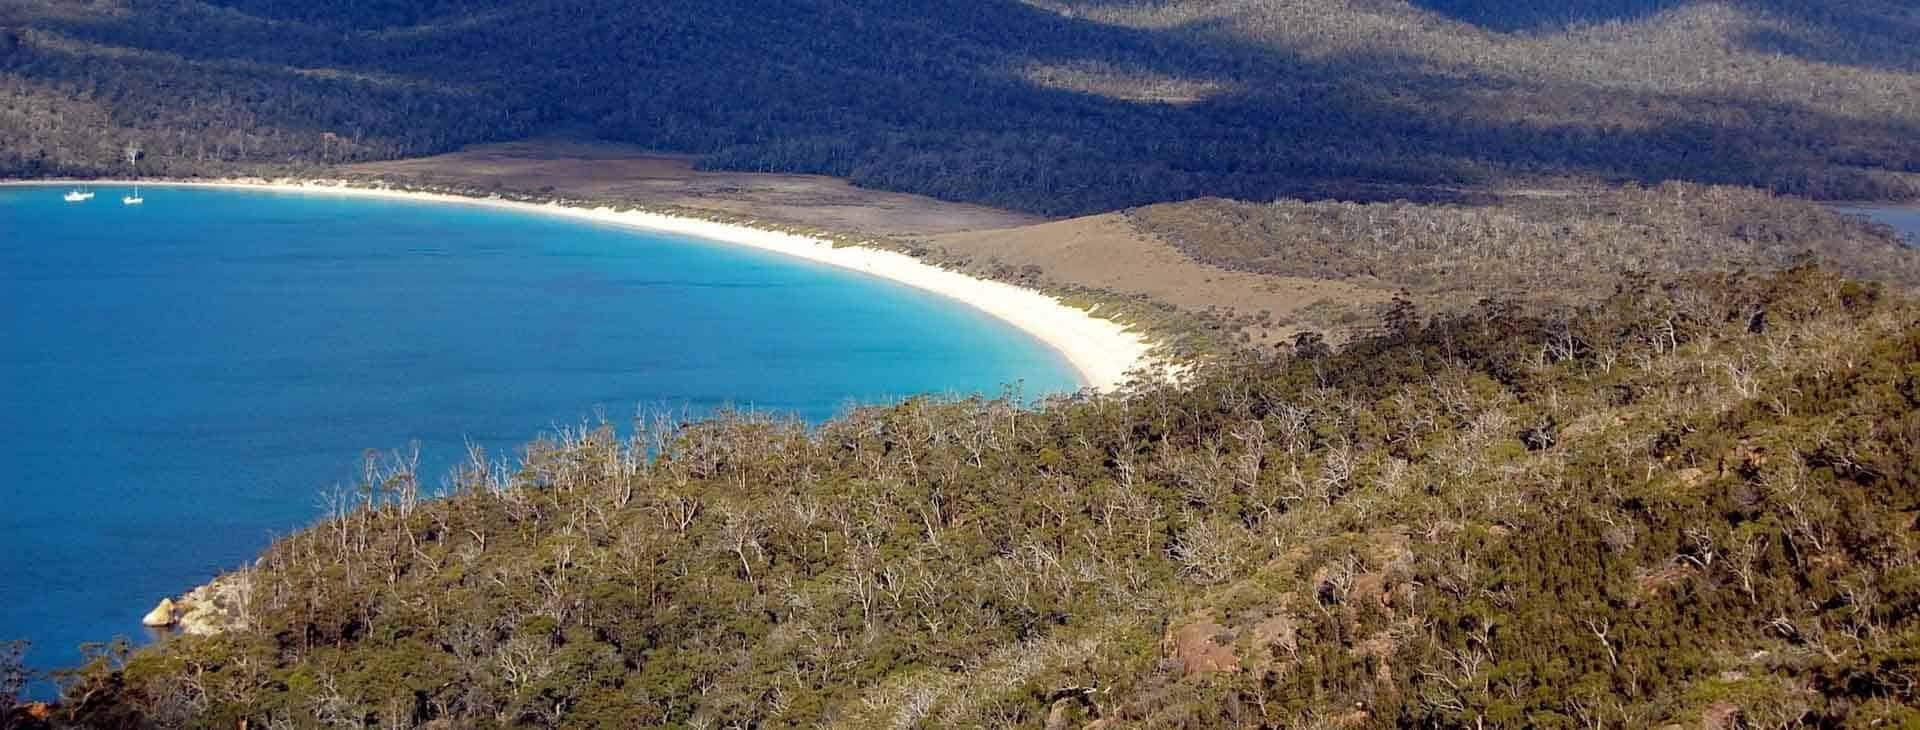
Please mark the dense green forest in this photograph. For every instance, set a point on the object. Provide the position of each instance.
(1055, 106)
(1691, 502)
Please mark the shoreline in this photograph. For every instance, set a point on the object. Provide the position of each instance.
(1104, 354)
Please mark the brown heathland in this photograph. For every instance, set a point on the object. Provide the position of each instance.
(1111, 253)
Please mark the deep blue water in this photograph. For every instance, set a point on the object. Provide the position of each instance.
(179, 382)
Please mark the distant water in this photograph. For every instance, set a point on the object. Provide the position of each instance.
(180, 381)
(1906, 220)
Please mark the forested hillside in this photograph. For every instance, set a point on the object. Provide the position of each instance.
(1570, 248)
(1055, 107)
(1649, 466)
(1693, 502)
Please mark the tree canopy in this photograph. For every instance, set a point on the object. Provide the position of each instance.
(1051, 107)
(1694, 499)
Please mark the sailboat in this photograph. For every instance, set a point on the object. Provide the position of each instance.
(133, 161)
(77, 195)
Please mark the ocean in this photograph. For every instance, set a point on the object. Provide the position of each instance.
(182, 381)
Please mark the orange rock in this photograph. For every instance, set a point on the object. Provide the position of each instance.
(1198, 647)
(1279, 630)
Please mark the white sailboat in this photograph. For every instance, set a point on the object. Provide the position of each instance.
(133, 161)
(78, 195)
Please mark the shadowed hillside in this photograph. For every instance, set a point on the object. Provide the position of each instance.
(1870, 33)
(1045, 107)
(1519, 15)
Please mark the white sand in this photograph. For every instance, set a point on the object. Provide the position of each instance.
(1104, 352)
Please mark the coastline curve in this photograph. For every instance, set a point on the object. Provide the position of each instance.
(1105, 354)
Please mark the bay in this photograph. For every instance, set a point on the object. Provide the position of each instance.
(181, 381)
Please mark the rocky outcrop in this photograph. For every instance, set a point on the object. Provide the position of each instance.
(220, 605)
(1202, 646)
(161, 615)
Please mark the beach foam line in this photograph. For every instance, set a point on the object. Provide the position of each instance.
(1105, 353)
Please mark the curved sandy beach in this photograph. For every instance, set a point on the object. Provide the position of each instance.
(1104, 353)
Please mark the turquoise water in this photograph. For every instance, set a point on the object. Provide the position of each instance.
(181, 381)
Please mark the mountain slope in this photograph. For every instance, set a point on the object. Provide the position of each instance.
(1694, 500)
(1051, 108)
